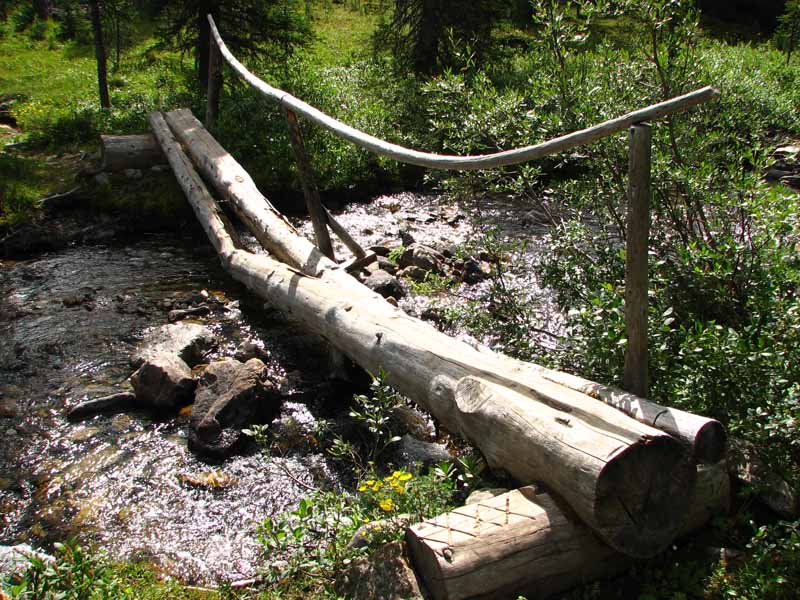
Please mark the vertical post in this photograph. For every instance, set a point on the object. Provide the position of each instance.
(310, 191)
(214, 84)
(637, 235)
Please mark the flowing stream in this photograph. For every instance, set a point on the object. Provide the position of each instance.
(69, 322)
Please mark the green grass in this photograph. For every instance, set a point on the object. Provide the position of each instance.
(342, 33)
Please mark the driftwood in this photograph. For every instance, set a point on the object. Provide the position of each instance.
(525, 542)
(120, 152)
(629, 482)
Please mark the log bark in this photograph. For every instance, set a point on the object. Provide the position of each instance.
(706, 437)
(120, 152)
(627, 481)
(526, 542)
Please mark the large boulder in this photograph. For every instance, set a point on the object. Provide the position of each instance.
(189, 341)
(410, 451)
(230, 396)
(163, 383)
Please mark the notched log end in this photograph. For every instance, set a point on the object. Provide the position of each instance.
(643, 494)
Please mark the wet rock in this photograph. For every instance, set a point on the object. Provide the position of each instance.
(406, 238)
(213, 480)
(251, 349)
(113, 403)
(793, 181)
(411, 451)
(230, 395)
(133, 173)
(406, 419)
(424, 257)
(483, 495)
(385, 574)
(380, 250)
(163, 383)
(475, 271)
(8, 407)
(186, 313)
(414, 273)
(122, 423)
(385, 284)
(188, 341)
(771, 489)
(102, 179)
(14, 560)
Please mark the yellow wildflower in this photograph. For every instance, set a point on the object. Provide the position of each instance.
(377, 487)
(362, 488)
(387, 505)
(405, 476)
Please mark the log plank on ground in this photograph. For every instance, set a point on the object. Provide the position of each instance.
(525, 542)
(120, 152)
(627, 481)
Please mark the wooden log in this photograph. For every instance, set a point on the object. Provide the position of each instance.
(236, 186)
(464, 163)
(342, 234)
(214, 85)
(313, 203)
(120, 152)
(525, 542)
(628, 481)
(706, 437)
(637, 244)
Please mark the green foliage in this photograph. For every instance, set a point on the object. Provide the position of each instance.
(787, 35)
(308, 547)
(79, 574)
(373, 414)
(430, 36)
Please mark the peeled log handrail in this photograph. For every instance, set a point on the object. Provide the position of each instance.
(461, 163)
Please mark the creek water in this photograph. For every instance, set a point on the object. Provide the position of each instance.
(69, 322)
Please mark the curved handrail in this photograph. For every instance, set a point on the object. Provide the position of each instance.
(463, 163)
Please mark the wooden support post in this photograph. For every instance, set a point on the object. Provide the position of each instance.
(214, 84)
(341, 232)
(315, 209)
(637, 235)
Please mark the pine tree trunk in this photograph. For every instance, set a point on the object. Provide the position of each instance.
(100, 54)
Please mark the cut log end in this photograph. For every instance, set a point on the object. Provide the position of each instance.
(643, 495)
(710, 443)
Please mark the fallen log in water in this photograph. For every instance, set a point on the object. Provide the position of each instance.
(629, 482)
(525, 542)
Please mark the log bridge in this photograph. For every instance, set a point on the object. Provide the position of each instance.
(618, 476)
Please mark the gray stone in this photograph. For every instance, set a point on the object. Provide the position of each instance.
(411, 451)
(14, 560)
(189, 341)
(102, 179)
(770, 488)
(163, 383)
(476, 271)
(385, 574)
(230, 396)
(385, 284)
(414, 273)
(133, 173)
(406, 419)
(251, 349)
(186, 313)
(424, 257)
(484, 495)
